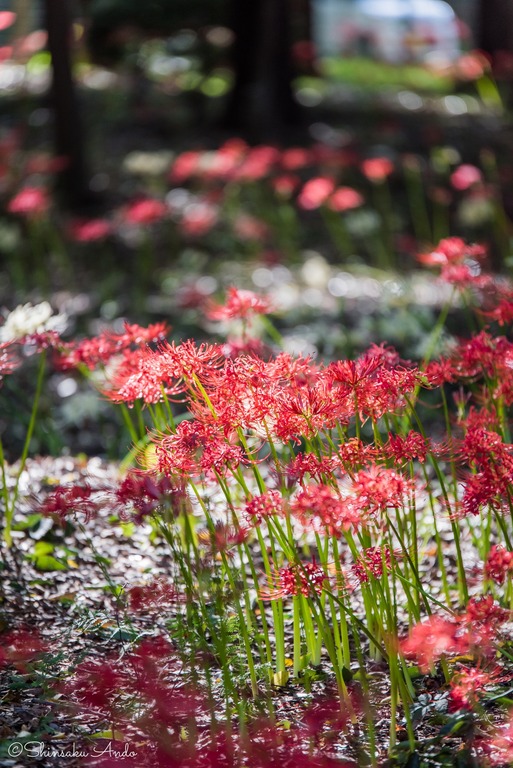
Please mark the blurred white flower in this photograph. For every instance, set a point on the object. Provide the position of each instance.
(27, 319)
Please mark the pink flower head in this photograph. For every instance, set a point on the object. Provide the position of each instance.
(70, 499)
(466, 176)
(240, 304)
(345, 199)
(467, 685)
(31, 202)
(451, 251)
(471, 66)
(315, 192)
(377, 169)
(320, 508)
(8, 361)
(370, 563)
(146, 211)
(91, 230)
(431, 639)
(298, 579)
(266, 505)
(7, 19)
(294, 158)
(155, 595)
(185, 166)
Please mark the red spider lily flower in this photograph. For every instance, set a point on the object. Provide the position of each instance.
(147, 675)
(484, 615)
(43, 162)
(466, 176)
(376, 383)
(468, 683)
(312, 465)
(265, 505)
(353, 374)
(44, 340)
(20, 647)
(218, 165)
(345, 199)
(249, 347)
(405, 448)
(32, 202)
(451, 251)
(157, 594)
(315, 192)
(100, 349)
(143, 375)
(190, 360)
(90, 231)
(471, 66)
(223, 537)
(146, 494)
(303, 411)
(98, 685)
(502, 313)
(320, 508)
(185, 166)
(486, 450)
(379, 488)
(480, 492)
(465, 276)
(499, 564)
(377, 169)
(7, 19)
(258, 164)
(240, 304)
(70, 499)
(294, 158)
(441, 371)
(285, 185)
(8, 360)
(483, 355)
(299, 579)
(147, 211)
(370, 563)
(354, 453)
(429, 640)
(326, 711)
(195, 448)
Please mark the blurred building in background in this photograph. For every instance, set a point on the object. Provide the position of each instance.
(396, 30)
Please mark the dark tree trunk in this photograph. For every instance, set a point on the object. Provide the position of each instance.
(261, 101)
(67, 127)
(495, 26)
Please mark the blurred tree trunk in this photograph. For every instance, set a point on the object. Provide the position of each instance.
(68, 137)
(262, 100)
(495, 26)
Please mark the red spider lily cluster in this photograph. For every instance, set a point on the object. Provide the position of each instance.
(261, 198)
(167, 723)
(320, 487)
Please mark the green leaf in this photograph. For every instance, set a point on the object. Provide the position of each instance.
(128, 529)
(43, 548)
(49, 563)
(29, 522)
